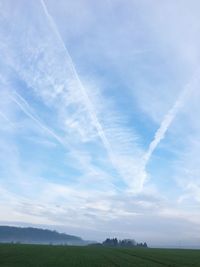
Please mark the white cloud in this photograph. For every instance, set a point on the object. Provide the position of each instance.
(84, 106)
(24, 106)
(54, 78)
(171, 115)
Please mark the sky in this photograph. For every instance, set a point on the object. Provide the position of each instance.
(99, 115)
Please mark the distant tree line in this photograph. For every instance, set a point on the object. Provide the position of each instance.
(114, 242)
(9, 234)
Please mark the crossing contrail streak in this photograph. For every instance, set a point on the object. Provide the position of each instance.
(88, 103)
(5, 117)
(170, 116)
(37, 121)
(121, 169)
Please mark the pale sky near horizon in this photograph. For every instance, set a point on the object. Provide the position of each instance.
(99, 115)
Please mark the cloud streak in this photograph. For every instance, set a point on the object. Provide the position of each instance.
(25, 107)
(5, 118)
(123, 165)
(170, 116)
(84, 94)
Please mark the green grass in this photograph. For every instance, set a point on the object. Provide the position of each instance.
(60, 256)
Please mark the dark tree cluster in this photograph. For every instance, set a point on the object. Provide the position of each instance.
(143, 245)
(114, 242)
(9, 234)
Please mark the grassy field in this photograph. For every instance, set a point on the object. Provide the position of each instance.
(60, 256)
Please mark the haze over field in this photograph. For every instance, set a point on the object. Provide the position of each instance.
(99, 115)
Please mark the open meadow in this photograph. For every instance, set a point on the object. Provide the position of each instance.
(66, 256)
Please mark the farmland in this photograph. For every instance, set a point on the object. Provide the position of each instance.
(61, 256)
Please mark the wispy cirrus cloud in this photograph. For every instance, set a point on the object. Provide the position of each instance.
(5, 117)
(25, 107)
(55, 79)
(91, 95)
(82, 91)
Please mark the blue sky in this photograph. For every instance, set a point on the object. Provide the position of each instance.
(99, 105)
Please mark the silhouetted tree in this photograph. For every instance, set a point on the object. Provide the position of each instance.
(143, 245)
(113, 242)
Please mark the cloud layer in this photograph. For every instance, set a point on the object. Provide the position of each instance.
(99, 117)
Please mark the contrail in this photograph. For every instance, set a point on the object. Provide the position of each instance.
(22, 99)
(88, 103)
(37, 121)
(170, 116)
(5, 117)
